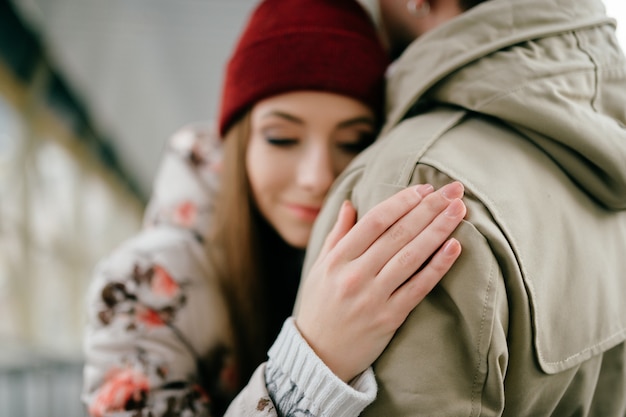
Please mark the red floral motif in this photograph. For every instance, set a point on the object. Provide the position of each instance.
(163, 283)
(185, 214)
(122, 387)
(148, 316)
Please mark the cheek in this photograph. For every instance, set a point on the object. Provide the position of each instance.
(266, 172)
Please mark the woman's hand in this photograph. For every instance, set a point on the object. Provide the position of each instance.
(370, 275)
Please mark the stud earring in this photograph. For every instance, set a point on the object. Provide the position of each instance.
(416, 10)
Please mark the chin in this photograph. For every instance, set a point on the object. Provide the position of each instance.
(297, 240)
(295, 234)
(298, 243)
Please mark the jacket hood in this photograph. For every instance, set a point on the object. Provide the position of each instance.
(551, 69)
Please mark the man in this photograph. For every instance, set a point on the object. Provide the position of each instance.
(524, 102)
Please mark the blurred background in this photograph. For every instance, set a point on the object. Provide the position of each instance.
(90, 90)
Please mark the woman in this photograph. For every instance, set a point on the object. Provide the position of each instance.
(183, 314)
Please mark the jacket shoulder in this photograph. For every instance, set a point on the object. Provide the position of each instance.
(534, 217)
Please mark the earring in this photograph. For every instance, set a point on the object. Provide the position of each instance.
(418, 11)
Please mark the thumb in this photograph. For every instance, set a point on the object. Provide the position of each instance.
(346, 219)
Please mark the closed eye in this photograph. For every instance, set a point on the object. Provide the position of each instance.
(281, 141)
(365, 139)
(354, 147)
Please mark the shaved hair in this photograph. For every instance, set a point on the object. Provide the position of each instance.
(468, 4)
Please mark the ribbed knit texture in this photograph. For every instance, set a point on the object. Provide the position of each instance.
(297, 379)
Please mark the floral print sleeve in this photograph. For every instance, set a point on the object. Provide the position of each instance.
(187, 181)
(158, 340)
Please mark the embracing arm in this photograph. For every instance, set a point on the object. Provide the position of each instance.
(450, 356)
(366, 280)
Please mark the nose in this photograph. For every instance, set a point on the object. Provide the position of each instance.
(316, 171)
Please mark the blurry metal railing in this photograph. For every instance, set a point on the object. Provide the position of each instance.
(37, 385)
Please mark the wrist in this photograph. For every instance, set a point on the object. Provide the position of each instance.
(293, 365)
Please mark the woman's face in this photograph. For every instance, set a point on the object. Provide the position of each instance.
(299, 143)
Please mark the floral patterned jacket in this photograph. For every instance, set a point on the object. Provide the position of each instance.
(155, 322)
(158, 340)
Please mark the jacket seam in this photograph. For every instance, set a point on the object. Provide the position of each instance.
(596, 67)
(476, 383)
(480, 107)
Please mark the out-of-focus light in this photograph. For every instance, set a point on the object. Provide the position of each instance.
(617, 10)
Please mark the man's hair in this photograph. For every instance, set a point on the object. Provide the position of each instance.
(468, 4)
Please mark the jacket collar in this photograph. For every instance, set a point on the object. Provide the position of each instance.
(462, 40)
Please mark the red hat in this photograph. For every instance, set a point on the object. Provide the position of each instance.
(288, 45)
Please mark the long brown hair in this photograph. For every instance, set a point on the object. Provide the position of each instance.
(234, 241)
(258, 271)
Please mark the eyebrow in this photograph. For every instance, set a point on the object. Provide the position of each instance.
(345, 123)
(283, 115)
(356, 121)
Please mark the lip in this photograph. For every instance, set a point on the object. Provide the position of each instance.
(306, 213)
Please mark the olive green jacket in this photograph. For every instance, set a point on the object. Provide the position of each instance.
(524, 102)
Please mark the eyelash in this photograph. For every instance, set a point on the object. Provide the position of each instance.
(281, 141)
(355, 147)
(365, 139)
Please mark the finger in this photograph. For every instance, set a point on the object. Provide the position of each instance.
(376, 221)
(346, 218)
(415, 254)
(414, 290)
(409, 227)
(452, 190)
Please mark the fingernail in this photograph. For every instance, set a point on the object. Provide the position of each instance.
(424, 189)
(454, 209)
(451, 246)
(452, 190)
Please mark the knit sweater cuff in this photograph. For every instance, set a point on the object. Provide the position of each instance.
(297, 379)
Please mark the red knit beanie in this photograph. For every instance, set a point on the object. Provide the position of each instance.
(289, 45)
